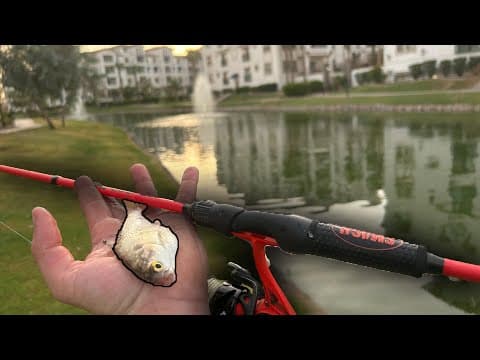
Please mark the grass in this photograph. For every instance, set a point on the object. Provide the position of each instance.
(104, 153)
(278, 100)
(421, 85)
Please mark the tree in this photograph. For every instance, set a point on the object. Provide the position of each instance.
(68, 75)
(173, 88)
(347, 66)
(193, 58)
(41, 74)
(416, 71)
(90, 80)
(446, 67)
(459, 66)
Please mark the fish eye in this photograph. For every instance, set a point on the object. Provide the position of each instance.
(156, 265)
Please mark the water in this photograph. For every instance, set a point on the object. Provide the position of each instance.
(409, 176)
(202, 96)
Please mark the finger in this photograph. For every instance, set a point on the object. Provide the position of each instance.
(116, 208)
(188, 186)
(142, 179)
(53, 259)
(93, 205)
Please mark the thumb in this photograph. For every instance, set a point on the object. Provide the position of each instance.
(52, 258)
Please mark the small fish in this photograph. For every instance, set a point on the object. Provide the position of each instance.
(148, 249)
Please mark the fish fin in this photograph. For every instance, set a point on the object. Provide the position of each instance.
(132, 206)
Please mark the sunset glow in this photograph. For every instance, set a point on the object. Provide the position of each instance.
(177, 49)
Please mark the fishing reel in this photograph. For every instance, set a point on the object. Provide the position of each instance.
(237, 297)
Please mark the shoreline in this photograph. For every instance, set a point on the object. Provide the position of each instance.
(378, 107)
(424, 108)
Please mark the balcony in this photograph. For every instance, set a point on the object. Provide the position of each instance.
(317, 50)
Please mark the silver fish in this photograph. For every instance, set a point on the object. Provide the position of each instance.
(148, 249)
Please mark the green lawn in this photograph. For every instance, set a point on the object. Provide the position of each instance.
(278, 100)
(422, 85)
(104, 153)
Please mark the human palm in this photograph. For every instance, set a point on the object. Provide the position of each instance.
(101, 284)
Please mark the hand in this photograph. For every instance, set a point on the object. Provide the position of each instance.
(101, 284)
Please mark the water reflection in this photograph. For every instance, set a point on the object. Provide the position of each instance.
(407, 176)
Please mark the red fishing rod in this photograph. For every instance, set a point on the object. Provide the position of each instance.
(291, 233)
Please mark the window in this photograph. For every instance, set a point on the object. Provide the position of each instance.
(167, 69)
(210, 78)
(245, 55)
(247, 76)
(266, 48)
(111, 81)
(224, 60)
(109, 69)
(267, 69)
(130, 81)
(126, 60)
(168, 78)
(406, 49)
(179, 69)
(256, 68)
(130, 70)
(157, 80)
(166, 59)
(107, 58)
(148, 70)
(460, 49)
(140, 59)
(140, 70)
(209, 60)
(155, 69)
(180, 80)
(225, 78)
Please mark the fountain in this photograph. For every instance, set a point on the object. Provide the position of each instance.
(79, 111)
(202, 97)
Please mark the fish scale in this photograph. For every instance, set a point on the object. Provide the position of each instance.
(146, 248)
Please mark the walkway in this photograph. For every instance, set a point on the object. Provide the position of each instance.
(21, 125)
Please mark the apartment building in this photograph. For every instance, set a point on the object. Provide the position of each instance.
(131, 65)
(231, 66)
(398, 58)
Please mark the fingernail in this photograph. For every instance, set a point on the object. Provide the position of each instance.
(34, 215)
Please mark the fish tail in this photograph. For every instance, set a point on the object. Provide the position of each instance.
(133, 206)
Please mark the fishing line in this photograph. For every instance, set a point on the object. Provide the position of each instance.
(16, 232)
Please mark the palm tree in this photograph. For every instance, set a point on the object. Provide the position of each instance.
(347, 66)
(193, 57)
(119, 68)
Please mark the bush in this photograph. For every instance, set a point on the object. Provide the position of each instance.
(473, 62)
(416, 71)
(339, 82)
(266, 88)
(316, 86)
(227, 91)
(376, 75)
(430, 68)
(459, 66)
(359, 78)
(243, 89)
(300, 89)
(474, 65)
(446, 67)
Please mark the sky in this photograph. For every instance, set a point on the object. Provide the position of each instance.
(177, 49)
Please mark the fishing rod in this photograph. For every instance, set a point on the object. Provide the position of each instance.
(291, 233)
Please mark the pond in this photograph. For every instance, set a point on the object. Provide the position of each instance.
(409, 176)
